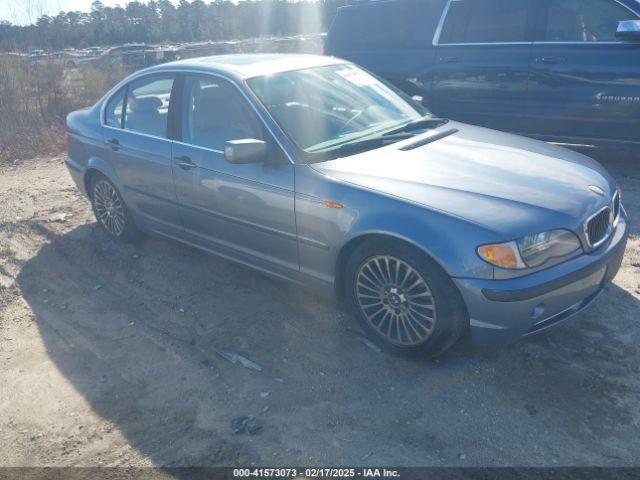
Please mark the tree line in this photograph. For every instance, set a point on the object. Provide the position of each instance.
(162, 21)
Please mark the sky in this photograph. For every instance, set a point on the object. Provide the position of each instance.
(19, 11)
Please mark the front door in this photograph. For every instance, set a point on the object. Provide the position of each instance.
(245, 211)
(585, 82)
(483, 51)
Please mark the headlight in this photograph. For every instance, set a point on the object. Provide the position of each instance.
(531, 251)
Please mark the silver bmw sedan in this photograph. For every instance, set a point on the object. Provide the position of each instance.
(311, 169)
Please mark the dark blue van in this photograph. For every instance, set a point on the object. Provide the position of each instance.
(561, 70)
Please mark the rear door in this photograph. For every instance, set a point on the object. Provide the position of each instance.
(585, 82)
(482, 62)
(140, 152)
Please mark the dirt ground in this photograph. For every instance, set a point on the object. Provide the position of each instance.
(108, 357)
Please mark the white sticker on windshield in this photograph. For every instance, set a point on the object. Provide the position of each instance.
(357, 77)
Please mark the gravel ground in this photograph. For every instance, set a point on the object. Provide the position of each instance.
(108, 357)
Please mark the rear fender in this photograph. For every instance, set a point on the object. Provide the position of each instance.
(99, 165)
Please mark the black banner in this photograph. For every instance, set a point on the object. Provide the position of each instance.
(310, 473)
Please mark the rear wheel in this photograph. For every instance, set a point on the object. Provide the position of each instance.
(111, 211)
(403, 300)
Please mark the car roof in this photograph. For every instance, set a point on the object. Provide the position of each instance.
(249, 65)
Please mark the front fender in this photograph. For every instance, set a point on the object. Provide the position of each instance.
(325, 232)
(449, 241)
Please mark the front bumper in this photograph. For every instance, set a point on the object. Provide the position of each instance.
(506, 310)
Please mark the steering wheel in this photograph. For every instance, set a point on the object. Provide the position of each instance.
(371, 109)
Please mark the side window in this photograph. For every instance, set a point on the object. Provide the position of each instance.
(214, 112)
(486, 21)
(584, 20)
(147, 106)
(113, 111)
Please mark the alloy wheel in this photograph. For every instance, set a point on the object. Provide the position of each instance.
(396, 300)
(109, 208)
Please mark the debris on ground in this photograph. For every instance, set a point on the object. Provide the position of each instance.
(237, 358)
(59, 217)
(247, 424)
(366, 455)
(368, 343)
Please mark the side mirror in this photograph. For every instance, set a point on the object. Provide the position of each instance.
(629, 30)
(247, 150)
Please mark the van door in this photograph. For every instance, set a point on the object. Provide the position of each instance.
(585, 82)
(482, 62)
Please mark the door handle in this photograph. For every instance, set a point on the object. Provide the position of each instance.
(550, 60)
(449, 59)
(184, 162)
(114, 143)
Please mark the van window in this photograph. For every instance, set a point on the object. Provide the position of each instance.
(380, 25)
(147, 108)
(113, 111)
(486, 21)
(584, 20)
(214, 112)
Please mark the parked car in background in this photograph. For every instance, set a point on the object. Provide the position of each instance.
(132, 55)
(310, 169)
(67, 58)
(563, 70)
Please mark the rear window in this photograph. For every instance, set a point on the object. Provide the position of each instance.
(486, 21)
(384, 25)
(113, 110)
(147, 108)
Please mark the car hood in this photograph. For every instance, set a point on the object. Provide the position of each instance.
(509, 184)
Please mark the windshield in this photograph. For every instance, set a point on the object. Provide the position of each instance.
(320, 109)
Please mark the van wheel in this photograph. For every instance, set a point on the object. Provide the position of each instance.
(111, 211)
(403, 300)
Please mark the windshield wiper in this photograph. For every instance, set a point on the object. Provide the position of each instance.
(351, 148)
(419, 124)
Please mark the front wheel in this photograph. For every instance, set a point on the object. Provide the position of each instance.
(403, 300)
(111, 211)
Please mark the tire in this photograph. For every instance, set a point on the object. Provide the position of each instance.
(393, 289)
(111, 212)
